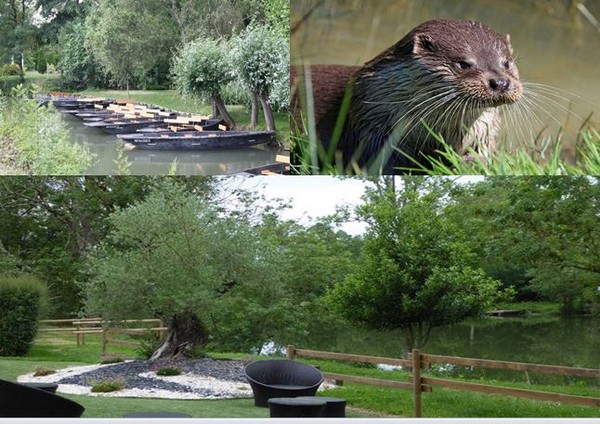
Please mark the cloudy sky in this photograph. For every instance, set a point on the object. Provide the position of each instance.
(311, 196)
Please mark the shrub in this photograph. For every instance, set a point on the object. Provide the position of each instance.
(10, 69)
(116, 360)
(41, 372)
(108, 385)
(168, 371)
(22, 300)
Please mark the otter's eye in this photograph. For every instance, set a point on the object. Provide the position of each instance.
(506, 64)
(463, 65)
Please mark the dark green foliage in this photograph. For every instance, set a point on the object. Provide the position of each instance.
(417, 268)
(108, 385)
(168, 371)
(10, 69)
(21, 303)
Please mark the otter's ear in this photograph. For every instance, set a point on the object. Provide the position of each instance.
(422, 43)
(507, 38)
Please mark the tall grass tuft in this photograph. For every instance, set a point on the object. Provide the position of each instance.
(40, 137)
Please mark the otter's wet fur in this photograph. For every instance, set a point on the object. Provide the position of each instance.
(451, 75)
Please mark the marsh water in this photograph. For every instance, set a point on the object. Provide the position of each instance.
(568, 341)
(105, 149)
(554, 45)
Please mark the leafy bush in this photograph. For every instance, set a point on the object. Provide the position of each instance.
(41, 372)
(116, 360)
(168, 371)
(108, 385)
(10, 69)
(41, 137)
(22, 300)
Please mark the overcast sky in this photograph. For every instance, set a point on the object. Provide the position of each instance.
(311, 196)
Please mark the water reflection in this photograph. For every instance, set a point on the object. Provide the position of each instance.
(144, 162)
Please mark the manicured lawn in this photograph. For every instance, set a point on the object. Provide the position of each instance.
(55, 351)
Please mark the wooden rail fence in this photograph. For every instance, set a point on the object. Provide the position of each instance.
(419, 384)
(82, 326)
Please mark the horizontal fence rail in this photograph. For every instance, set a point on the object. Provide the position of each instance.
(82, 326)
(418, 361)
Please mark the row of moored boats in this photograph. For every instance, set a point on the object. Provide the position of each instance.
(149, 127)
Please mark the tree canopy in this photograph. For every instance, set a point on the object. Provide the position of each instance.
(417, 270)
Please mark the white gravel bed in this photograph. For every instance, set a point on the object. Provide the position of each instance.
(224, 388)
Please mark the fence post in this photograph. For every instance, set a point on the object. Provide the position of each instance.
(416, 358)
(78, 329)
(104, 339)
(291, 351)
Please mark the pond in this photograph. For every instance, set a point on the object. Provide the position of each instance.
(552, 47)
(143, 162)
(567, 341)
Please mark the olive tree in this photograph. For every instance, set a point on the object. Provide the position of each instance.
(174, 256)
(201, 70)
(261, 58)
(416, 271)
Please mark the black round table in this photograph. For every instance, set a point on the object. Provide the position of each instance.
(296, 407)
(335, 407)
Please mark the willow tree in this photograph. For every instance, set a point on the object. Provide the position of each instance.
(261, 57)
(417, 271)
(201, 70)
(174, 256)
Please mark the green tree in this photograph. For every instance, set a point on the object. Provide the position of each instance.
(545, 227)
(17, 33)
(174, 256)
(79, 69)
(201, 70)
(417, 269)
(262, 59)
(130, 37)
(51, 224)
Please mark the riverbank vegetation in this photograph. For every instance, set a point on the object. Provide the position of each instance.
(226, 274)
(34, 140)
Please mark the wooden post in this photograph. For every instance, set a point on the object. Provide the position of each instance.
(416, 358)
(104, 339)
(78, 334)
(291, 351)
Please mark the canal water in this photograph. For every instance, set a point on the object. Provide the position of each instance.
(567, 341)
(105, 149)
(552, 46)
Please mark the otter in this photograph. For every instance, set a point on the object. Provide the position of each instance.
(445, 77)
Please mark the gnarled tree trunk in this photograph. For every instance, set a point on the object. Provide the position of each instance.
(185, 333)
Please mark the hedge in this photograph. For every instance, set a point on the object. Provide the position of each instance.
(22, 300)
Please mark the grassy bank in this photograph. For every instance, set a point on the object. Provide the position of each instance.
(170, 99)
(34, 140)
(60, 351)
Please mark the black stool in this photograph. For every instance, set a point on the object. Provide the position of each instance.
(296, 407)
(156, 415)
(47, 387)
(335, 407)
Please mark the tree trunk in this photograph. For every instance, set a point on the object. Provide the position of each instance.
(223, 112)
(268, 112)
(254, 112)
(215, 110)
(185, 334)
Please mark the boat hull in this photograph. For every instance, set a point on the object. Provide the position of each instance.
(209, 140)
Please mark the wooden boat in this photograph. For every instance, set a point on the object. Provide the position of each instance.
(207, 125)
(123, 126)
(199, 140)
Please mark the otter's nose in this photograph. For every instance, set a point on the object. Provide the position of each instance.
(499, 84)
